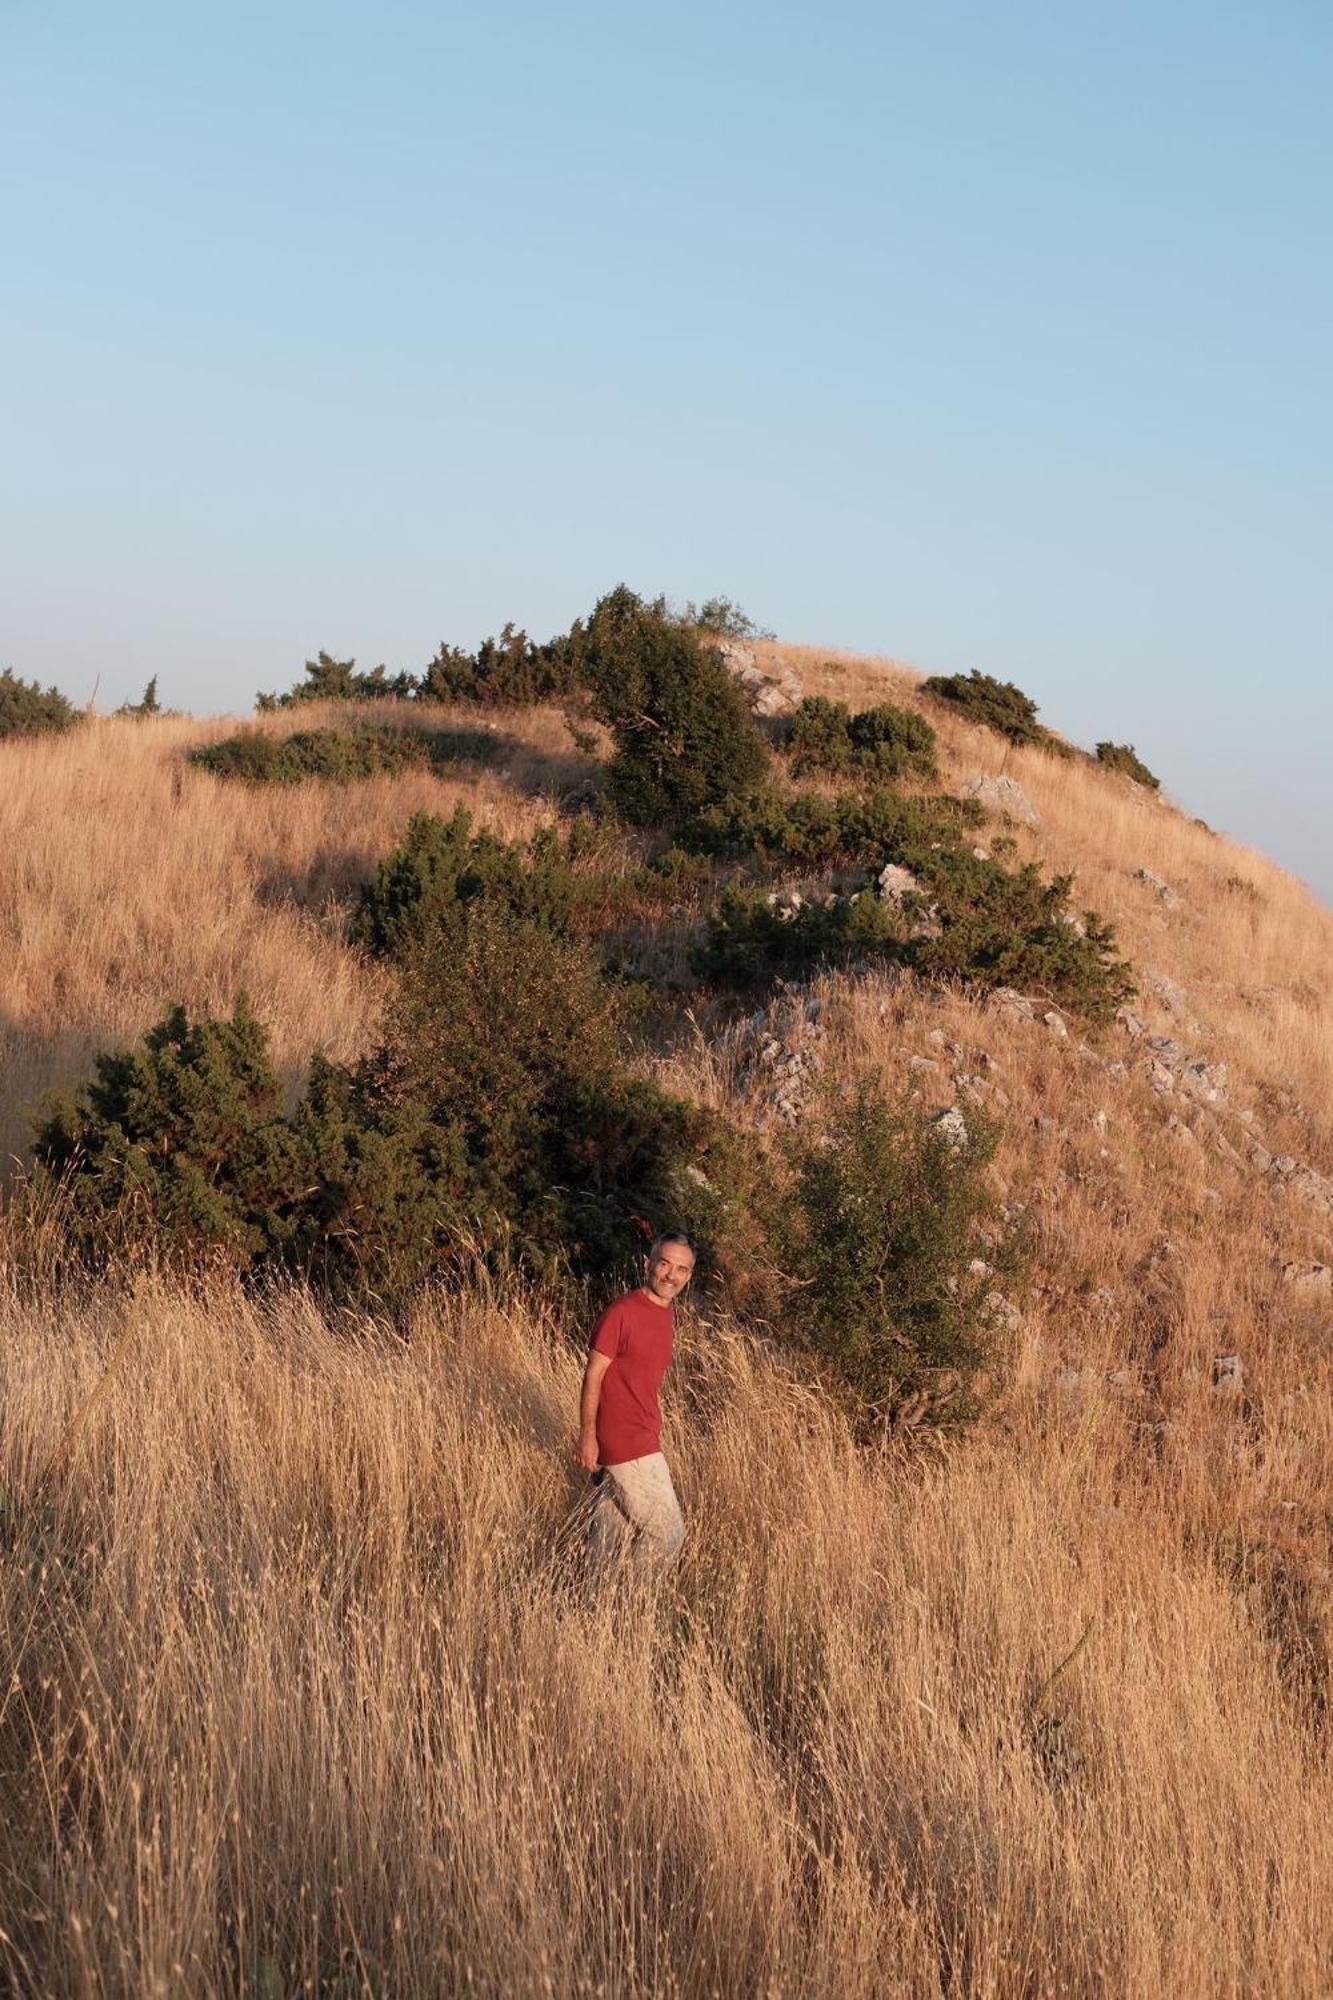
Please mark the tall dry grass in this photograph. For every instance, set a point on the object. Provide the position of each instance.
(305, 1685)
(308, 1692)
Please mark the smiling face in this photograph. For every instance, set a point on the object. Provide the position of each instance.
(670, 1266)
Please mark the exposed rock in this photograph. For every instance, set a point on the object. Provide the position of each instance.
(1056, 1023)
(1163, 891)
(952, 1128)
(1172, 996)
(1311, 1281)
(1133, 1024)
(1012, 1002)
(785, 903)
(1002, 795)
(894, 883)
(767, 694)
(1003, 1314)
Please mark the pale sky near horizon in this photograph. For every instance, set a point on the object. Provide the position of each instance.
(979, 336)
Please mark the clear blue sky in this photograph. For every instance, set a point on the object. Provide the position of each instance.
(985, 335)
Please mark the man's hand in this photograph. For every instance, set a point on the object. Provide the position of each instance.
(585, 1452)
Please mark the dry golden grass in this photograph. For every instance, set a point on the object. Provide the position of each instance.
(307, 1693)
(128, 880)
(305, 1685)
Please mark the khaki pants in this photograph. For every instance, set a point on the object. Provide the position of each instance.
(636, 1515)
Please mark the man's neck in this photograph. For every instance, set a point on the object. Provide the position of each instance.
(649, 1293)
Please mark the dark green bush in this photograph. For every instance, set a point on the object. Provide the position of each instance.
(442, 866)
(722, 619)
(1124, 757)
(973, 921)
(684, 739)
(754, 934)
(339, 756)
(179, 1148)
(1002, 928)
(508, 672)
(824, 740)
(495, 1118)
(27, 710)
(880, 1234)
(998, 704)
(148, 706)
(328, 679)
(808, 829)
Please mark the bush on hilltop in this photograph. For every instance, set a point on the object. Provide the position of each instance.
(28, 710)
(684, 739)
(329, 679)
(824, 740)
(998, 705)
(1124, 757)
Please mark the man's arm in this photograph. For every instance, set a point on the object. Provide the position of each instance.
(593, 1376)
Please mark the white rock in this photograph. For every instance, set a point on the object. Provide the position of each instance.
(1056, 1023)
(1002, 795)
(952, 1128)
(894, 883)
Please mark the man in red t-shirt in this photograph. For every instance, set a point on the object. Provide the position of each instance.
(620, 1418)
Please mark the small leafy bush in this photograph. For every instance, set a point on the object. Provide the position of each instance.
(982, 925)
(1124, 757)
(179, 1147)
(722, 619)
(329, 679)
(880, 1234)
(28, 710)
(442, 866)
(753, 934)
(824, 740)
(338, 756)
(508, 672)
(684, 739)
(148, 706)
(809, 829)
(999, 705)
(1003, 928)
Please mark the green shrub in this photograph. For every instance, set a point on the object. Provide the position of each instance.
(508, 672)
(880, 1235)
(338, 756)
(148, 706)
(27, 710)
(328, 679)
(495, 1118)
(875, 744)
(684, 739)
(722, 619)
(442, 866)
(1124, 757)
(809, 829)
(1002, 928)
(178, 1148)
(999, 705)
(972, 921)
(754, 934)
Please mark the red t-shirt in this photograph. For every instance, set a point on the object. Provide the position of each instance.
(638, 1335)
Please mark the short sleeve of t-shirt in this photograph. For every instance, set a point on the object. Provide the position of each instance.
(610, 1333)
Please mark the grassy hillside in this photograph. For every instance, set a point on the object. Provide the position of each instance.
(304, 1694)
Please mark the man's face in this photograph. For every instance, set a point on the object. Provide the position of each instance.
(669, 1271)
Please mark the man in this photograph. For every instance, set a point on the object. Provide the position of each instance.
(620, 1419)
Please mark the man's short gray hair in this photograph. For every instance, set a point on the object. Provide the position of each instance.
(671, 1236)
